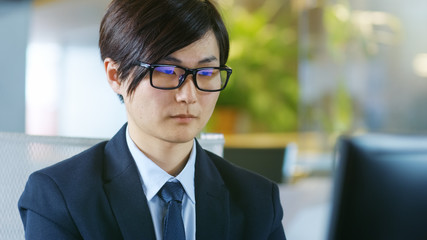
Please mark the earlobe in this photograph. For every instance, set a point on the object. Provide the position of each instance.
(112, 75)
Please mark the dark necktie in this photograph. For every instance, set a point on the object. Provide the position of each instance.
(173, 226)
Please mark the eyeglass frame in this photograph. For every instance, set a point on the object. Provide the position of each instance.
(183, 77)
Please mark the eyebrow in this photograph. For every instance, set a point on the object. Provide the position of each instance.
(205, 60)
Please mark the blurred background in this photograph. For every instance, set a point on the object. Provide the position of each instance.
(304, 73)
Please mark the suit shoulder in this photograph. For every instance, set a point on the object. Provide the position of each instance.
(73, 180)
(88, 162)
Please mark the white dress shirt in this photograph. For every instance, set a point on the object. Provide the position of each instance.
(153, 178)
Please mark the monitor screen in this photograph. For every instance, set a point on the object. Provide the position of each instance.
(380, 188)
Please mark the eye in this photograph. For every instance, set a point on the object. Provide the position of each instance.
(206, 72)
(165, 69)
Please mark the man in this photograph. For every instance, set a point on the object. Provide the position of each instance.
(166, 61)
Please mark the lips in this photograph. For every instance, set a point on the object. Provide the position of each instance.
(183, 116)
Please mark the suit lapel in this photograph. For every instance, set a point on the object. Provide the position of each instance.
(124, 190)
(127, 200)
(212, 200)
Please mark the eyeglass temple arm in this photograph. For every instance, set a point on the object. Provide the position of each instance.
(146, 65)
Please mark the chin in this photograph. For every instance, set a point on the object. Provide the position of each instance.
(181, 138)
(182, 134)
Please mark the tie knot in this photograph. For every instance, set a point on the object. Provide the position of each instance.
(171, 191)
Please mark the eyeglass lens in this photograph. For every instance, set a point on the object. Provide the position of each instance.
(206, 78)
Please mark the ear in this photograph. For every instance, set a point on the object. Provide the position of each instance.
(111, 68)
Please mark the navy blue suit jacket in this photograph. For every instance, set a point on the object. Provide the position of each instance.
(98, 194)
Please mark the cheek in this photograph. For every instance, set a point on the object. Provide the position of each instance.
(155, 103)
(142, 102)
(209, 102)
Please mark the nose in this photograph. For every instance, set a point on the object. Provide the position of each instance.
(187, 92)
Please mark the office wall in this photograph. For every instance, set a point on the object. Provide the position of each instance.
(67, 90)
(14, 22)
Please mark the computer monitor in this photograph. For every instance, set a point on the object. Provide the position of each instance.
(380, 188)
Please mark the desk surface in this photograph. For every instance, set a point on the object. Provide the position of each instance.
(273, 140)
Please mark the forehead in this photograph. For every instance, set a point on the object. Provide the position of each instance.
(205, 48)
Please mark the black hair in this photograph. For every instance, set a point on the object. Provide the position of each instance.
(149, 30)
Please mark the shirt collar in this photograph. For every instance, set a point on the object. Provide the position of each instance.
(153, 177)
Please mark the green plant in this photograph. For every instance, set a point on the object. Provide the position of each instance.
(264, 58)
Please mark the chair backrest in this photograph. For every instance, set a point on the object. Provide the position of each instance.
(20, 155)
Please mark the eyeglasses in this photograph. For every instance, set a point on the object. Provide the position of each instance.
(208, 79)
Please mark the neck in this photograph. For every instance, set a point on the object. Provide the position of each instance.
(171, 157)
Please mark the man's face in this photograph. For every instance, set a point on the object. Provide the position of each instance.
(178, 115)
